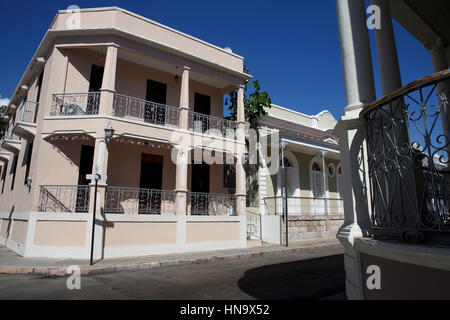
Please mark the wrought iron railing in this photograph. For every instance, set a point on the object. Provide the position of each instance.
(408, 157)
(75, 104)
(304, 206)
(203, 123)
(210, 204)
(147, 111)
(64, 199)
(10, 135)
(120, 200)
(26, 112)
(253, 225)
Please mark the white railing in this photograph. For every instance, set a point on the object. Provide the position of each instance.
(9, 133)
(147, 111)
(203, 123)
(210, 204)
(304, 205)
(119, 200)
(253, 225)
(26, 112)
(75, 104)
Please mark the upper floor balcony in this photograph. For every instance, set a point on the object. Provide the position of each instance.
(148, 112)
(11, 141)
(142, 96)
(26, 116)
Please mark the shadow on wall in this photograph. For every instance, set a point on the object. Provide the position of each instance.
(299, 280)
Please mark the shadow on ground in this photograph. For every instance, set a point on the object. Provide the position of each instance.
(320, 278)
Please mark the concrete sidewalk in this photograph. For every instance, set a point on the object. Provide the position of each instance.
(11, 263)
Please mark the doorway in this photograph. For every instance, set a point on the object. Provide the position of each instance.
(200, 186)
(86, 165)
(156, 94)
(150, 184)
(202, 105)
(95, 84)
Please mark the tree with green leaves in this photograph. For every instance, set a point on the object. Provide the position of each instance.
(3, 122)
(256, 102)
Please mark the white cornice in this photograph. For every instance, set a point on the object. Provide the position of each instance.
(157, 24)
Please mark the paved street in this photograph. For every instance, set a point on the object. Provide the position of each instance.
(314, 274)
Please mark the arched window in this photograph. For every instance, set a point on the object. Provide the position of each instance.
(317, 180)
(339, 180)
(316, 167)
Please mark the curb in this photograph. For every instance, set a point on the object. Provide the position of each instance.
(62, 271)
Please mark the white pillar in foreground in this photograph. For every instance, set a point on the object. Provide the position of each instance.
(387, 50)
(360, 90)
(356, 56)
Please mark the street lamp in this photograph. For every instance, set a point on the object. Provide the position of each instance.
(109, 133)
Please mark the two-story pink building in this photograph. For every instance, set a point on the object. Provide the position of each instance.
(113, 93)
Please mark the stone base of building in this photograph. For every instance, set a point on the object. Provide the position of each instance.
(304, 227)
(65, 235)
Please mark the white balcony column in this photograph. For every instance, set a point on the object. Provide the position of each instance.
(109, 81)
(325, 181)
(438, 53)
(240, 134)
(360, 90)
(184, 99)
(181, 180)
(356, 56)
(241, 184)
(387, 50)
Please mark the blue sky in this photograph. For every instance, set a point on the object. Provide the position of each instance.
(291, 47)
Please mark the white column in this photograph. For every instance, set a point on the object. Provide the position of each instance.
(356, 56)
(387, 50)
(240, 134)
(325, 181)
(438, 54)
(241, 183)
(109, 81)
(241, 186)
(181, 181)
(184, 99)
(360, 89)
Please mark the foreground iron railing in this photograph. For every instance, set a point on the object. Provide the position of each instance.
(408, 157)
(75, 104)
(304, 206)
(64, 199)
(26, 112)
(209, 204)
(147, 111)
(203, 123)
(139, 201)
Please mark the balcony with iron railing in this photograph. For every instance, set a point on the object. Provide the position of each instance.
(27, 112)
(408, 160)
(75, 104)
(146, 111)
(126, 107)
(202, 123)
(133, 201)
(10, 141)
(25, 125)
(64, 199)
